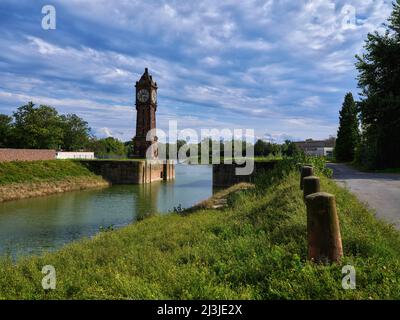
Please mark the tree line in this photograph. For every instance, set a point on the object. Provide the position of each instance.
(369, 130)
(262, 148)
(42, 127)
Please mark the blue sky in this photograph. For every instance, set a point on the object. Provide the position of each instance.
(281, 68)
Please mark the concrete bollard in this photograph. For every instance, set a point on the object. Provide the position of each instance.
(306, 171)
(311, 185)
(323, 231)
(300, 166)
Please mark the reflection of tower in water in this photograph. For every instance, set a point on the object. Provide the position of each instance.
(147, 200)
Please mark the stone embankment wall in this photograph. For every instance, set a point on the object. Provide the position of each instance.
(224, 175)
(131, 171)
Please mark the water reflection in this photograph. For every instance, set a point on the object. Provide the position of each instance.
(147, 200)
(34, 225)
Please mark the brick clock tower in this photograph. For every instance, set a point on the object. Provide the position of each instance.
(146, 107)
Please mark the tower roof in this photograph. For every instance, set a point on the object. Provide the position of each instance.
(147, 78)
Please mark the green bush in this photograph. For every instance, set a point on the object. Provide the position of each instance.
(287, 165)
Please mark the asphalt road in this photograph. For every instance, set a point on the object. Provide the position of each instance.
(380, 191)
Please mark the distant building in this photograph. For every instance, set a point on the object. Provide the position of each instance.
(321, 148)
(74, 155)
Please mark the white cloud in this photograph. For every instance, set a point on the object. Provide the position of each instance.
(211, 61)
(105, 132)
(239, 63)
(312, 102)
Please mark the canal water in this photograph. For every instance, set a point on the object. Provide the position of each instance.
(35, 225)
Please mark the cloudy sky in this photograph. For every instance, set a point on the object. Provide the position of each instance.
(281, 67)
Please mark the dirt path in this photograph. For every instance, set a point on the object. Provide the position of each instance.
(381, 191)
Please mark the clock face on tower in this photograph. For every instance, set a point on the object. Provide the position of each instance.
(143, 95)
(154, 96)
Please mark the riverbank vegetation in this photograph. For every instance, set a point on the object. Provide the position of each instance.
(25, 179)
(254, 247)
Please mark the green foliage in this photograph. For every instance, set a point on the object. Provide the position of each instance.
(287, 165)
(107, 228)
(37, 171)
(379, 78)
(37, 128)
(254, 249)
(76, 133)
(389, 170)
(265, 149)
(5, 130)
(43, 128)
(348, 134)
(178, 209)
(367, 151)
(129, 147)
(262, 149)
(108, 148)
(289, 149)
(172, 148)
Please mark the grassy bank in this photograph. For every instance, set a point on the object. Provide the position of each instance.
(25, 179)
(253, 248)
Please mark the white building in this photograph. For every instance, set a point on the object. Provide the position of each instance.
(74, 155)
(321, 152)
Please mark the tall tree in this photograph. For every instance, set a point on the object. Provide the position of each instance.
(261, 148)
(289, 148)
(76, 132)
(379, 78)
(5, 131)
(108, 147)
(37, 128)
(348, 134)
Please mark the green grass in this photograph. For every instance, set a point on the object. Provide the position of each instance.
(254, 249)
(38, 171)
